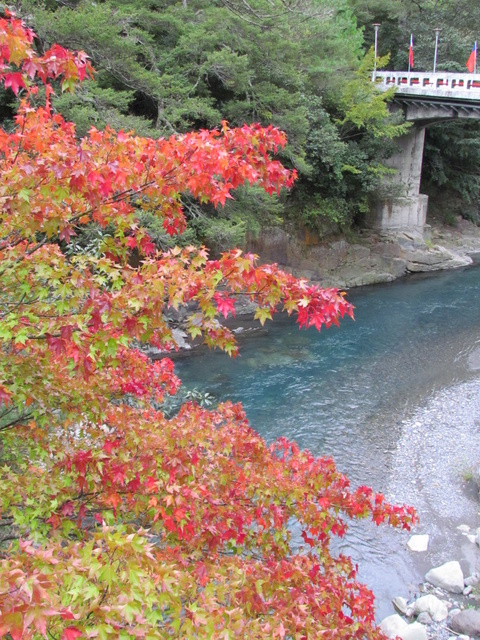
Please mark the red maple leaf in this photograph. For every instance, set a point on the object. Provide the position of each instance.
(14, 81)
(225, 305)
(70, 633)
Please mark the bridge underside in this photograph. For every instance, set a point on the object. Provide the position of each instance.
(433, 109)
(399, 205)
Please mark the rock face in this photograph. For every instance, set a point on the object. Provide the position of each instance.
(467, 622)
(448, 576)
(371, 258)
(433, 259)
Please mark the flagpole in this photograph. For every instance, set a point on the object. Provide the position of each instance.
(437, 31)
(374, 75)
(409, 53)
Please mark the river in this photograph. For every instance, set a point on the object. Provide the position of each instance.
(393, 396)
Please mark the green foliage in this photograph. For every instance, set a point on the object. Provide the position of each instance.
(365, 108)
(345, 155)
(451, 170)
(317, 212)
(170, 66)
(92, 105)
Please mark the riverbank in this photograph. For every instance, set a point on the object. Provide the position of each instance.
(362, 259)
(369, 257)
(441, 480)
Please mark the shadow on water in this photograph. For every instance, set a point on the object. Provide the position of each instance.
(393, 397)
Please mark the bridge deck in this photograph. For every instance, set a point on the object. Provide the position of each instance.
(461, 86)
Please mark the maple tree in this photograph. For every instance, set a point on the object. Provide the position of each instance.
(118, 521)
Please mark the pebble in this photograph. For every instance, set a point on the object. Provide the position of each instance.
(464, 528)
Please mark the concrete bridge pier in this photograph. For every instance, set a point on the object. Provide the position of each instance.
(400, 205)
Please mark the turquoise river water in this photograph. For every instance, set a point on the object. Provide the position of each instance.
(393, 396)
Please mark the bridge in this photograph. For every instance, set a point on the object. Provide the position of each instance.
(424, 98)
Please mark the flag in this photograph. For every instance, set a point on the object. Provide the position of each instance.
(472, 61)
(410, 53)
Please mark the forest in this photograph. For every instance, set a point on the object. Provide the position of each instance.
(302, 65)
(132, 132)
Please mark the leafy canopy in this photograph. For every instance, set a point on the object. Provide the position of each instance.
(116, 521)
(171, 66)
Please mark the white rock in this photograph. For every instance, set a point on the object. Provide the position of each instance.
(473, 580)
(464, 528)
(433, 606)
(472, 538)
(180, 339)
(418, 543)
(414, 631)
(393, 625)
(448, 576)
(401, 605)
(425, 618)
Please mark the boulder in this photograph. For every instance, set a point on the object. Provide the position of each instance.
(418, 543)
(393, 625)
(448, 576)
(436, 258)
(433, 606)
(467, 622)
(414, 631)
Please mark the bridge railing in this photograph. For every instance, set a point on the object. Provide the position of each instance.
(454, 85)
